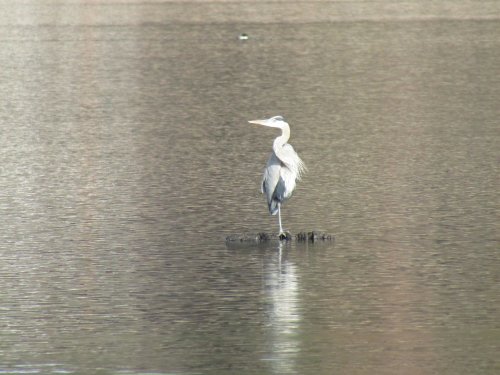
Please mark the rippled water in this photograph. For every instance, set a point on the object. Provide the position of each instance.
(126, 158)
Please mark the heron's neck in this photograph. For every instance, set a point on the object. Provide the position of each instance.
(283, 138)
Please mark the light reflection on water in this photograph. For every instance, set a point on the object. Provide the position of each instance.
(127, 159)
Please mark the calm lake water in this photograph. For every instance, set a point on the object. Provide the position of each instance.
(126, 159)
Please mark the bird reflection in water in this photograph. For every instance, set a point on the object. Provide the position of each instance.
(284, 312)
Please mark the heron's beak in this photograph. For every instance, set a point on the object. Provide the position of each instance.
(259, 122)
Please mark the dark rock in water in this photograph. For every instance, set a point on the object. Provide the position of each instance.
(302, 236)
(313, 236)
(262, 237)
(259, 237)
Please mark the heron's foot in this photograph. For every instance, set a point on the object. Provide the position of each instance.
(285, 236)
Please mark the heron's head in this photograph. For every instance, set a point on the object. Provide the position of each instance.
(273, 122)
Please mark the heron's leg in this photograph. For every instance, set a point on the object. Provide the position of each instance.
(279, 217)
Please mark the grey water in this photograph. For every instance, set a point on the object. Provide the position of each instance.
(126, 159)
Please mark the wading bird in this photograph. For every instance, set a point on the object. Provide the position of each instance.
(283, 168)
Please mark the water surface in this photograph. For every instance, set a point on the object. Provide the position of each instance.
(127, 158)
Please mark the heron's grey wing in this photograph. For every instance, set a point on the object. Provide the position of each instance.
(271, 186)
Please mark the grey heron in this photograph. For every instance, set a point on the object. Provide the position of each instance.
(283, 168)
